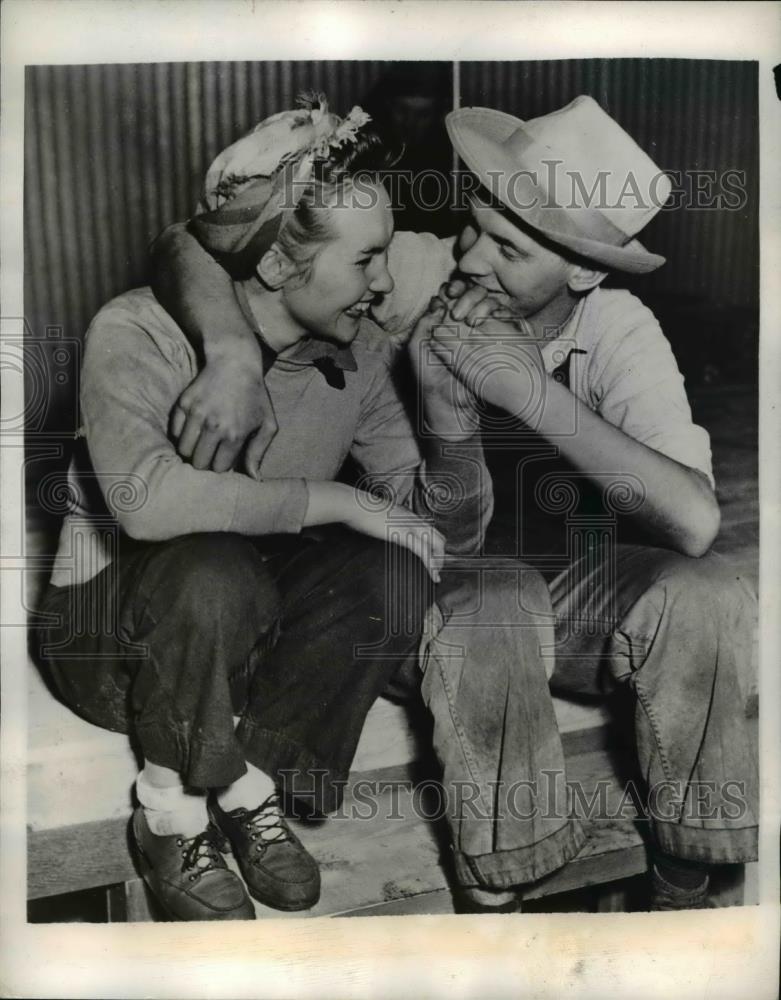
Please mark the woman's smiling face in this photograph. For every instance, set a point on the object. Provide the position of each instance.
(350, 271)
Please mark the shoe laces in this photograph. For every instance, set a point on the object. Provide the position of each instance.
(266, 824)
(201, 853)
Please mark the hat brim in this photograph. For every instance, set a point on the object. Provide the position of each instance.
(478, 136)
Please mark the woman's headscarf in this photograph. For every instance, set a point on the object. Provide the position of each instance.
(255, 182)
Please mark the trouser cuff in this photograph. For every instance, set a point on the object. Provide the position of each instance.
(715, 847)
(520, 865)
(199, 763)
(300, 774)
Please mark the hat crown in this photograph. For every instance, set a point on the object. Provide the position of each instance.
(583, 158)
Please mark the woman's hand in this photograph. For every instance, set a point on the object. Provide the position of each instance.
(490, 351)
(224, 408)
(336, 503)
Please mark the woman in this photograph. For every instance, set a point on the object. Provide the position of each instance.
(483, 678)
(213, 597)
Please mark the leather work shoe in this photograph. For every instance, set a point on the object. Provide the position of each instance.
(188, 876)
(275, 864)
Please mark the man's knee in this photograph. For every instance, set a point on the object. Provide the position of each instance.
(502, 616)
(700, 610)
(709, 589)
(535, 596)
(506, 595)
(519, 603)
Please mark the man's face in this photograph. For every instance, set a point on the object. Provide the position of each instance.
(350, 271)
(526, 276)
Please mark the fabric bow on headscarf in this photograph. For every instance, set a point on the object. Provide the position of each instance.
(254, 183)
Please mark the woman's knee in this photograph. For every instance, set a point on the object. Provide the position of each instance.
(216, 573)
(392, 576)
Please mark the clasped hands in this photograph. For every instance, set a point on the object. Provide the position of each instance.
(469, 347)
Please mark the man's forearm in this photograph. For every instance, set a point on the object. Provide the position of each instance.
(198, 293)
(458, 492)
(673, 503)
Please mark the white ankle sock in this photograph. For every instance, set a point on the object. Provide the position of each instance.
(248, 791)
(171, 810)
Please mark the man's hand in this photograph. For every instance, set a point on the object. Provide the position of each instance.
(224, 408)
(490, 351)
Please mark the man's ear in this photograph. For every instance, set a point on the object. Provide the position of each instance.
(275, 267)
(583, 279)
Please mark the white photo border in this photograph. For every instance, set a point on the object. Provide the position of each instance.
(722, 953)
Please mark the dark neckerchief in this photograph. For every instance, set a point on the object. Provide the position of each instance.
(331, 372)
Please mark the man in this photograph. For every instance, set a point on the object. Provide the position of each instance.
(639, 602)
(590, 421)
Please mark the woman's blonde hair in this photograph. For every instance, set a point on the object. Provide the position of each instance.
(308, 228)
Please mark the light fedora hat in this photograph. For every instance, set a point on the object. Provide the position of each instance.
(573, 175)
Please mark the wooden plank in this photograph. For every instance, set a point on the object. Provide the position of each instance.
(739, 513)
(425, 904)
(80, 856)
(613, 864)
(116, 904)
(612, 898)
(128, 902)
(615, 848)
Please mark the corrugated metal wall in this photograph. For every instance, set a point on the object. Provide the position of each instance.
(114, 153)
(688, 115)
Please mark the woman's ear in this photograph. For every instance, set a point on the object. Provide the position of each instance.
(583, 279)
(275, 267)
